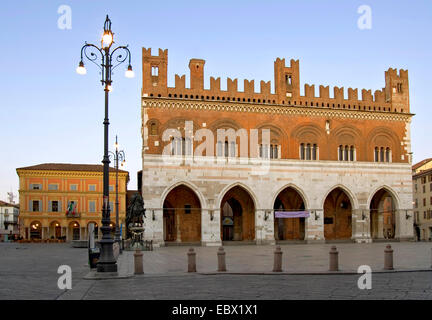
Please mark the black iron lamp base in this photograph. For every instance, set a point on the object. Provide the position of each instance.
(107, 267)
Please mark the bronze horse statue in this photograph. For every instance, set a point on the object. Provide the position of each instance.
(134, 217)
(135, 211)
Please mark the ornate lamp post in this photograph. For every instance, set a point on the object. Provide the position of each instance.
(118, 155)
(107, 262)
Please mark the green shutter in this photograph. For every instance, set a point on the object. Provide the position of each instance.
(59, 206)
(30, 208)
(49, 206)
(40, 206)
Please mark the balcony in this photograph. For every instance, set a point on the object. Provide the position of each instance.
(73, 215)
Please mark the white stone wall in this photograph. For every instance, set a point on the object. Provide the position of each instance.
(314, 180)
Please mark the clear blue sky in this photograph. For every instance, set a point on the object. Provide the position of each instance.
(51, 114)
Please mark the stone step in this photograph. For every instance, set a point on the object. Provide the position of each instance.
(291, 242)
(178, 244)
(238, 243)
(340, 241)
(385, 240)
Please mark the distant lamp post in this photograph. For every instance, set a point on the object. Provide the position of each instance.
(107, 262)
(118, 155)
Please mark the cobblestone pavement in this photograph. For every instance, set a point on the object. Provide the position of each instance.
(406, 285)
(29, 271)
(296, 257)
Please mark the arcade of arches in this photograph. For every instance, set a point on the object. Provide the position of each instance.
(237, 215)
(182, 215)
(382, 211)
(294, 228)
(337, 215)
(55, 230)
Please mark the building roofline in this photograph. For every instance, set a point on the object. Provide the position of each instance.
(69, 167)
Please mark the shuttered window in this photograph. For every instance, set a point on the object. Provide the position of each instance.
(35, 206)
(92, 206)
(54, 206)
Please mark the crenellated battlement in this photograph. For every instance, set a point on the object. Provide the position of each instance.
(393, 97)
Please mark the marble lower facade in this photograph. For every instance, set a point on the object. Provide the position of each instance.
(210, 200)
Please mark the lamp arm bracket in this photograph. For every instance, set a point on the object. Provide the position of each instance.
(120, 56)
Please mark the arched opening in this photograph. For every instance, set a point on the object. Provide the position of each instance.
(182, 215)
(74, 231)
(55, 230)
(289, 226)
(237, 216)
(382, 215)
(337, 215)
(35, 230)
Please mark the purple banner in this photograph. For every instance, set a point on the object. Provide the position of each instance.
(291, 214)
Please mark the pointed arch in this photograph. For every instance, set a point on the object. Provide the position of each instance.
(387, 188)
(237, 213)
(237, 184)
(338, 206)
(289, 198)
(188, 184)
(351, 196)
(296, 188)
(182, 216)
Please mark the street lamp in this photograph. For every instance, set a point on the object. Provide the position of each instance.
(118, 155)
(107, 262)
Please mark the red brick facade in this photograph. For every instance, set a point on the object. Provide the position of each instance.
(275, 111)
(370, 128)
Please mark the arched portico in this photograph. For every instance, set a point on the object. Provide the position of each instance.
(289, 199)
(338, 205)
(181, 215)
(35, 230)
(55, 230)
(383, 206)
(74, 231)
(237, 216)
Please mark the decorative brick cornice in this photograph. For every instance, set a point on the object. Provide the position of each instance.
(167, 103)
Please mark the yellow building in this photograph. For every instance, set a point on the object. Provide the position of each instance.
(58, 201)
(422, 193)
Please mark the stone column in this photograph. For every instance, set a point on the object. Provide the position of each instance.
(361, 226)
(404, 226)
(380, 226)
(154, 228)
(85, 237)
(264, 227)
(210, 228)
(177, 226)
(314, 226)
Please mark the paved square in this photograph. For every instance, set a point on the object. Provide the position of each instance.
(29, 271)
